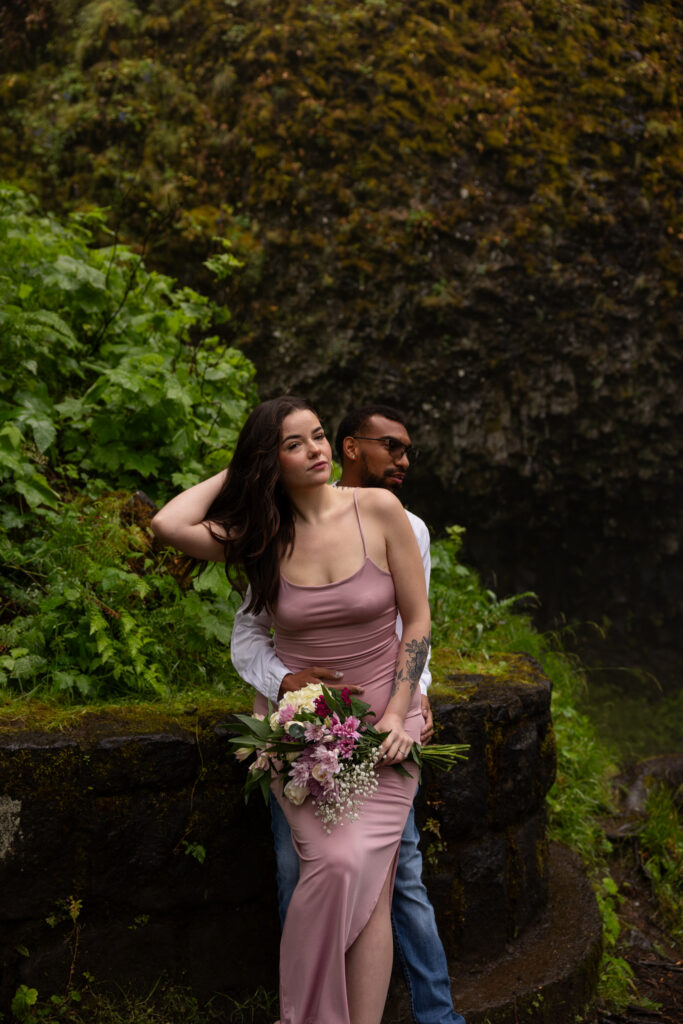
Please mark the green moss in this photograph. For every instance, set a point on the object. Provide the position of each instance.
(548, 744)
(23, 715)
(456, 675)
(494, 738)
(541, 849)
(338, 110)
(450, 668)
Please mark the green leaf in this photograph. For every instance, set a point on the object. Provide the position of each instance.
(24, 998)
(71, 274)
(264, 783)
(259, 727)
(44, 433)
(37, 491)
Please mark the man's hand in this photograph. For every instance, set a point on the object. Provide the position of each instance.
(314, 674)
(427, 730)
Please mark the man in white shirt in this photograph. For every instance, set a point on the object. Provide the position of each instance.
(375, 450)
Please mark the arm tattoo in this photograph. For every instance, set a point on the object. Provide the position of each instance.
(416, 655)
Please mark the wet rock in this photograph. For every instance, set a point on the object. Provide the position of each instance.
(638, 780)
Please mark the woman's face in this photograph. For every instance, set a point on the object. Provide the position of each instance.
(305, 455)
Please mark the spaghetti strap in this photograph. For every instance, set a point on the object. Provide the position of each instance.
(360, 525)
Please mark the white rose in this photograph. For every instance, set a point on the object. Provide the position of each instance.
(303, 698)
(295, 794)
(321, 774)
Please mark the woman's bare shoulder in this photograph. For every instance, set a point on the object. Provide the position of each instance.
(378, 500)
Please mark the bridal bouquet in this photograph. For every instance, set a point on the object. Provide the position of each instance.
(320, 743)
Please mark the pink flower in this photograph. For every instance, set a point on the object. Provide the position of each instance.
(301, 771)
(346, 733)
(314, 732)
(286, 714)
(346, 696)
(327, 758)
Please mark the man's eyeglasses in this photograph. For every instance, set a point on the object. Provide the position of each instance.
(397, 449)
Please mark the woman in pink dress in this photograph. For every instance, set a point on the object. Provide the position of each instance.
(332, 565)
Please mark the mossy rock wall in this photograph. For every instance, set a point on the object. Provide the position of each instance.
(471, 210)
(111, 814)
(490, 880)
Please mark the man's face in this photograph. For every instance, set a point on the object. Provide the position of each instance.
(376, 466)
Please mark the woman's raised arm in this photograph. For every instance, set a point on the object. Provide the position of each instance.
(182, 521)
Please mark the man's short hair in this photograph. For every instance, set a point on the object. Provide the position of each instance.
(356, 422)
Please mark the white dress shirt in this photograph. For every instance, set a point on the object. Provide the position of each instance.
(253, 651)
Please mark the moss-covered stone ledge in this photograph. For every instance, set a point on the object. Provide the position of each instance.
(116, 809)
(488, 876)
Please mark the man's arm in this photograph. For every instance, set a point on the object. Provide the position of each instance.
(253, 653)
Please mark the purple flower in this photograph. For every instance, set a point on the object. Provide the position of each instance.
(346, 696)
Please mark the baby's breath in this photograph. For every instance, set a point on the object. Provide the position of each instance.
(355, 784)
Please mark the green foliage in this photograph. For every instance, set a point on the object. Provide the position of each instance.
(24, 999)
(468, 620)
(96, 615)
(616, 974)
(463, 612)
(164, 1004)
(110, 378)
(661, 854)
(195, 850)
(581, 793)
(105, 378)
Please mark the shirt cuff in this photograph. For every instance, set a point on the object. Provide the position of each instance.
(273, 684)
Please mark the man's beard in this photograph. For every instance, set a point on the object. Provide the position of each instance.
(369, 479)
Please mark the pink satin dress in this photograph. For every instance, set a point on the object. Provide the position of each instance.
(349, 625)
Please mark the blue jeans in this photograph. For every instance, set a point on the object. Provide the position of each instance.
(416, 939)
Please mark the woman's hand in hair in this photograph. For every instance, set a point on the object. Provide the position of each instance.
(181, 523)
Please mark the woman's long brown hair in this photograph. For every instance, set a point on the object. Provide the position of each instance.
(252, 508)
